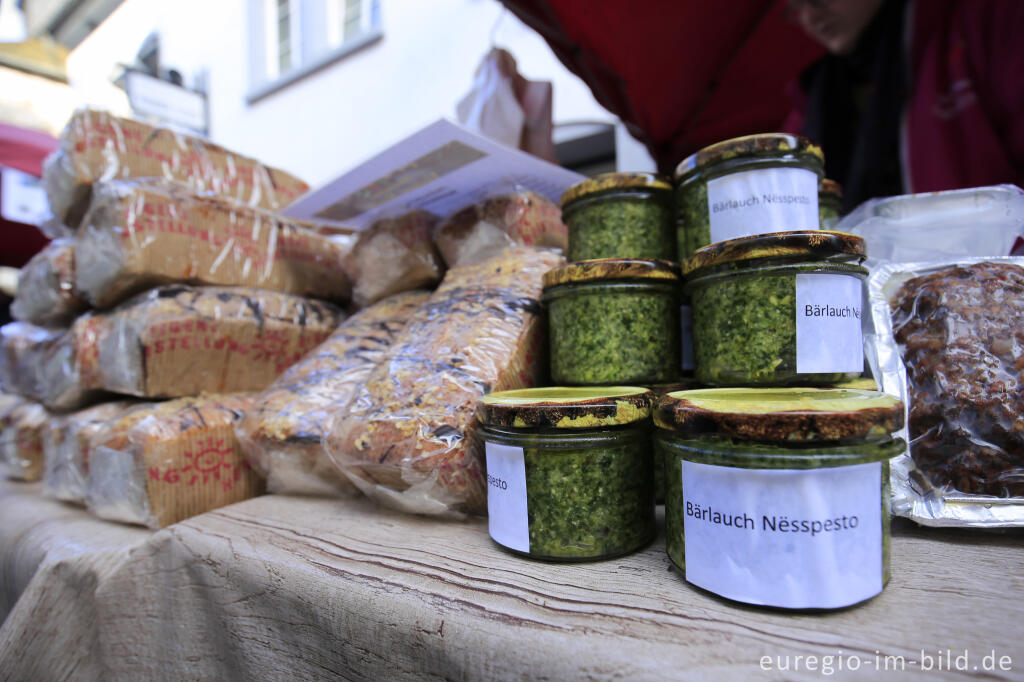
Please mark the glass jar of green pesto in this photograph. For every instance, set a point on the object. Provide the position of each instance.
(779, 496)
(569, 471)
(620, 215)
(778, 309)
(613, 321)
(830, 203)
(746, 186)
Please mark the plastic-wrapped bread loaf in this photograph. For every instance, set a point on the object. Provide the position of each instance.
(98, 146)
(8, 402)
(282, 434)
(485, 229)
(177, 340)
(409, 439)
(46, 287)
(162, 463)
(22, 346)
(66, 447)
(394, 255)
(21, 442)
(139, 234)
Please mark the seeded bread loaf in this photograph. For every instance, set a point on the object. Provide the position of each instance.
(485, 229)
(21, 444)
(163, 463)
(282, 433)
(409, 437)
(394, 255)
(46, 287)
(66, 447)
(143, 233)
(98, 146)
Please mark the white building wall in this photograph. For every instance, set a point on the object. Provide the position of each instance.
(329, 121)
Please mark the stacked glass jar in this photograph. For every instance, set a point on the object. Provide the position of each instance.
(571, 467)
(775, 478)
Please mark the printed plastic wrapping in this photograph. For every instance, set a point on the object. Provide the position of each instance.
(8, 401)
(67, 445)
(138, 234)
(22, 349)
(46, 287)
(163, 463)
(963, 223)
(409, 437)
(21, 441)
(483, 230)
(394, 255)
(953, 350)
(177, 340)
(98, 146)
(282, 433)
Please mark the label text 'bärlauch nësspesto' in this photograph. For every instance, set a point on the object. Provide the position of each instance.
(770, 523)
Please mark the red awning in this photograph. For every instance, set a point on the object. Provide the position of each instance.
(681, 75)
(24, 149)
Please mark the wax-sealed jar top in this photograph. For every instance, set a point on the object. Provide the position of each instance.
(809, 245)
(781, 415)
(831, 190)
(578, 407)
(766, 145)
(616, 182)
(607, 269)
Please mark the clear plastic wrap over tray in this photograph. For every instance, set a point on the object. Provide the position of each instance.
(409, 437)
(46, 287)
(484, 229)
(282, 433)
(394, 255)
(161, 463)
(960, 223)
(21, 441)
(96, 145)
(66, 447)
(178, 340)
(965, 396)
(139, 234)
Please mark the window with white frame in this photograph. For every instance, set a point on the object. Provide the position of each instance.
(289, 38)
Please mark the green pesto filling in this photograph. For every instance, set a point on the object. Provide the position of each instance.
(670, 451)
(693, 224)
(828, 213)
(744, 329)
(589, 503)
(617, 334)
(621, 225)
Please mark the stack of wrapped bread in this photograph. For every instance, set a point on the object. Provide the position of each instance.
(183, 344)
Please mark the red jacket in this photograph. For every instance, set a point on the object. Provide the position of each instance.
(963, 122)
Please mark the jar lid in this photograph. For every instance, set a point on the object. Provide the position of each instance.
(812, 244)
(765, 144)
(606, 182)
(577, 407)
(781, 414)
(830, 188)
(611, 268)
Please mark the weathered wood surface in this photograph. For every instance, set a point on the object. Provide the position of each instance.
(291, 588)
(53, 556)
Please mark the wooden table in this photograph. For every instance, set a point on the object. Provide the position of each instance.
(294, 588)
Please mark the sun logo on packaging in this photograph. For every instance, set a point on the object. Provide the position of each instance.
(208, 461)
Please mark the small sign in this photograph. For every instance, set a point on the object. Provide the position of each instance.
(167, 102)
(440, 169)
(23, 198)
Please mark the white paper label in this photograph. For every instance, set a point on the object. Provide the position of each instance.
(686, 320)
(508, 522)
(829, 335)
(782, 537)
(759, 201)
